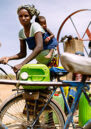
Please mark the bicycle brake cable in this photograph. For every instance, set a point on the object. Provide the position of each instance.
(10, 65)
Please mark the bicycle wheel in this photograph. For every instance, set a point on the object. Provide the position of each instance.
(13, 116)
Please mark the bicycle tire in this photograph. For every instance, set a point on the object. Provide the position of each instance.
(11, 114)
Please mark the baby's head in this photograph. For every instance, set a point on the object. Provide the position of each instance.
(42, 21)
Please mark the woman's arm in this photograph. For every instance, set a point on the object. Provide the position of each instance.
(35, 52)
(19, 55)
(37, 49)
(22, 52)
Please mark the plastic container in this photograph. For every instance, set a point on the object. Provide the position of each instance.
(60, 101)
(84, 110)
(36, 72)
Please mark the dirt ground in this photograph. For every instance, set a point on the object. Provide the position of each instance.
(6, 91)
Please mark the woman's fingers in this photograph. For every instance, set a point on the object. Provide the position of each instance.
(4, 60)
(1, 61)
(16, 68)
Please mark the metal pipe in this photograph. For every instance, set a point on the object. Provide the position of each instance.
(19, 82)
(75, 28)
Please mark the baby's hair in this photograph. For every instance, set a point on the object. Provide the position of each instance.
(30, 8)
(37, 19)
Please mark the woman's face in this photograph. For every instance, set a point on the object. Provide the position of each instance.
(24, 17)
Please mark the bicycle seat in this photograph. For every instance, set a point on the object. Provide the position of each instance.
(76, 64)
(54, 71)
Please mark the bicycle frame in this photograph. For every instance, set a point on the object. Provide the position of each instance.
(75, 102)
(80, 88)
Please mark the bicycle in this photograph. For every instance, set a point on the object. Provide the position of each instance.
(39, 121)
(18, 99)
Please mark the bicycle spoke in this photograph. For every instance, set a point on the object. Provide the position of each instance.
(14, 115)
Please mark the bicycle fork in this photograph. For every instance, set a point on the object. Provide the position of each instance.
(73, 107)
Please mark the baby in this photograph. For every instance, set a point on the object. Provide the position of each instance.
(42, 21)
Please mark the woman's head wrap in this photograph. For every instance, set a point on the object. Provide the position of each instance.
(30, 8)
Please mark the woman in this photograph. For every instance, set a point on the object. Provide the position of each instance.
(32, 34)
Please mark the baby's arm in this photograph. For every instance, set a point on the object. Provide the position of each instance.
(49, 37)
(51, 34)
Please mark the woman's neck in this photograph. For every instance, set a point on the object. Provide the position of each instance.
(27, 29)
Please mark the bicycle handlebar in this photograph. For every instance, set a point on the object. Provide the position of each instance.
(10, 65)
(7, 73)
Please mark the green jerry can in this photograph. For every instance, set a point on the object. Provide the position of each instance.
(35, 72)
(59, 99)
(84, 110)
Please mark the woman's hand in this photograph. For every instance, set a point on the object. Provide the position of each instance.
(4, 60)
(16, 68)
